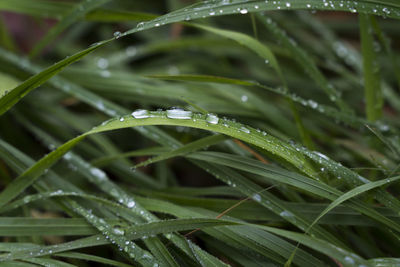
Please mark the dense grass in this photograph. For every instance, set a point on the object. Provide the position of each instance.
(284, 150)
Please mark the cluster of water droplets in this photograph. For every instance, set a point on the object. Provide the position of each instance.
(116, 235)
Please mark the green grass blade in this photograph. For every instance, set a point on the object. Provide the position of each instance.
(13, 96)
(372, 82)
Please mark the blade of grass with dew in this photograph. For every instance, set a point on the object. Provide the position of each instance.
(386, 8)
(131, 233)
(89, 242)
(305, 61)
(268, 245)
(296, 180)
(99, 178)
(372, 82)
(316, 244)
(323, 109)
(235, 130)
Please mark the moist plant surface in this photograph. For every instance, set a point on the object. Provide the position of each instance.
(199, 133)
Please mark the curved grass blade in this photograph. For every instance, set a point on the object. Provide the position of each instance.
(13, 96)
(130, 233)
(386, 8)
(260, 49)
(77, 12)
(353, 193)
(348, 195)
(200, 121)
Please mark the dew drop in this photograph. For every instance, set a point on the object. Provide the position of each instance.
(257, 197)
(140, 114)
(244, 98)
(286, 213)
(117, 34)
(131, 204)
(244, 129)
(98, 173)
(244, 11)
(118, 231)
(180, 114)
(102, 63)
(211, 118)
(349, 260)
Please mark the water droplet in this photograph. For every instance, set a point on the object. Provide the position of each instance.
(257, 197)
(98, 173)
(244, 129)
(102, 63)
(118, 230)
(121, 119)
(244, 11)
(157, 24)
(312, 103)
(244, 98)
(140, 114)
(286, 213)
(349, 260)
(180, 114)
(211, 118)
(288, 4)
(131, 204)
(117, 34)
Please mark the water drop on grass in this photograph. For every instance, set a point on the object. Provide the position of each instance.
(140, 114)
(118, 230)
(131, 204)
(180, 114)
(213, 119)
(244, 11)
(117, 34)
(257, 197)
(244, 129)
(102, 63)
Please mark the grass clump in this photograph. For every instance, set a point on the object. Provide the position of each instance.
(221, 133)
